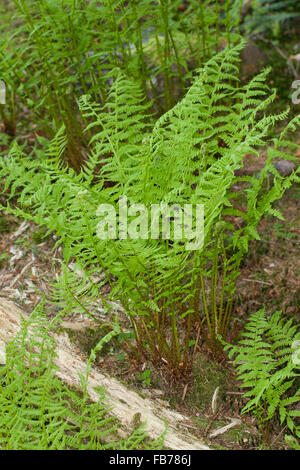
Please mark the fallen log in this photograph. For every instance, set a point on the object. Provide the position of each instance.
(126, 403)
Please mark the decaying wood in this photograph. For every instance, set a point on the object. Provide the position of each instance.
(125, 402)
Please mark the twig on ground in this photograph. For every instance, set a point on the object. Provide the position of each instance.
(16, 279)
(257, 280)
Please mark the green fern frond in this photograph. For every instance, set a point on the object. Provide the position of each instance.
(265, 364)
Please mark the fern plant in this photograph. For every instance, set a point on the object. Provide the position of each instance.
(171, 296)
(268, 366)
(39, 412)
(66, 49)
(269, 15)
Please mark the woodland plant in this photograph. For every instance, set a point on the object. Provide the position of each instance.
(39, 412)
(267, 360)
(61, 50)
(268, 16)
(171, 298)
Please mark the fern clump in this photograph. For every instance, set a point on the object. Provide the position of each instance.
(39, 412)
(170, 294)
(69, 48)
(267, 362)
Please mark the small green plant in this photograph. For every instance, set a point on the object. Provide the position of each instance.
(146, 378)
(268, 364)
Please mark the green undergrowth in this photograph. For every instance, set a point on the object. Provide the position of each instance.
(39, 412)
